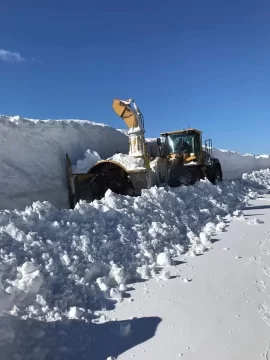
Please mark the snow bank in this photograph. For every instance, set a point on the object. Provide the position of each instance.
(56, 263)
(234, 164)
(258, 178)
(33, 156)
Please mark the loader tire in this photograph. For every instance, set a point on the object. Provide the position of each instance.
(189, 175)
(183, 175)
(217, 176)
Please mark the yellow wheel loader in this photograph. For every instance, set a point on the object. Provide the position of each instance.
(180, 160)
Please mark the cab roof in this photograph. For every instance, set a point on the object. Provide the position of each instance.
(181, 132)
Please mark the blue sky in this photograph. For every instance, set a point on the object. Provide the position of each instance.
(187, 63)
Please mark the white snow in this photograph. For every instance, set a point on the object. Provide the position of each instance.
(33, 164)
(84, 165)
(73, 258)
(163, 259)
(92, 157)
(29, 279)
(75, 312)
(129, 162)
(59, 265)
(213, 307)
(258, 178)
(234, 164)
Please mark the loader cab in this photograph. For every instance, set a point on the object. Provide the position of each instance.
(187, 142)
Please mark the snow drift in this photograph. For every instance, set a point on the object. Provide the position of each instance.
(234, 164)
(56, 263)
(33, 156)
(258, 178)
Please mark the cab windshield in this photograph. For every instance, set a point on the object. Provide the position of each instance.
(179, 143)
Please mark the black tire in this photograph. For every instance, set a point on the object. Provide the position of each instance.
(217, 176)
(189, 175)
(182, 175)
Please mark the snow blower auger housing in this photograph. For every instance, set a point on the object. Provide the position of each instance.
(180, 160)
(111, 174)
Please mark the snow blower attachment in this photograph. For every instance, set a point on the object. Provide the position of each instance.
(110, 174)
(181, 160)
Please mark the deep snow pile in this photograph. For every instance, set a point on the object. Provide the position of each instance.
(33, 164)
(261, 178)
(234, 164)
(63, 263)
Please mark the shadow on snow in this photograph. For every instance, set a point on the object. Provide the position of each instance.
(72, 339)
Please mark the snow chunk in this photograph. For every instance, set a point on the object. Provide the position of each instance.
(205, 238)
(220, 226)
(165, 275)
(238, 213)
(255, 221)
(115, 294)
(30, 279)
(129, 162)
(75, 312)
(102, 283)
(28, 268)
(144, 271)
(210, 228)
(117, 273)
(90, 159)
(163, 259)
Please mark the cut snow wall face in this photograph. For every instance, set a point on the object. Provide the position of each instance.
(33, 164)
(234, 164)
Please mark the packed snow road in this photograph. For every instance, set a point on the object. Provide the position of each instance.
(215, 306)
